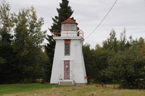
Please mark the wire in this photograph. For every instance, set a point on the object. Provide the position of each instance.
(103, 18)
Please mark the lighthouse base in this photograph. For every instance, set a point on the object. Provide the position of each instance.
(66, 82)
(69, 82)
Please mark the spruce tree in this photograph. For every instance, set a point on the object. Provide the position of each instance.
(63, 13)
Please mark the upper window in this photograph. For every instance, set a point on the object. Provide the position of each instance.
(68, 27)
(67, 47)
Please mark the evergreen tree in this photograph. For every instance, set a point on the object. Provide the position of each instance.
(111, 43)
(63, 13)
(122, 41)
(50, 53)
(7, 65)
(28, 37)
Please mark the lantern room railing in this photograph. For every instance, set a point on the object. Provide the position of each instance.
(60, 33)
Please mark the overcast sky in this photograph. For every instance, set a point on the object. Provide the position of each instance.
(129, 14)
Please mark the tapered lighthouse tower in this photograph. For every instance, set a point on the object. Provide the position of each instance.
(68, 63)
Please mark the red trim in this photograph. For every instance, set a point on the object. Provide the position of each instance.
(69, 21)
(67, 41)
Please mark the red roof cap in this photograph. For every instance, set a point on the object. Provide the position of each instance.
(69, 21)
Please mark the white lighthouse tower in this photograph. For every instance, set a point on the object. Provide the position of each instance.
(68, 63)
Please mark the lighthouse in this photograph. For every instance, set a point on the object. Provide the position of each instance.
(68, 64)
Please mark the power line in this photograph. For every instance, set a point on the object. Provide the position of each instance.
(103, 18)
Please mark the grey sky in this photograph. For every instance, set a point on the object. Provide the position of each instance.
(129, 14)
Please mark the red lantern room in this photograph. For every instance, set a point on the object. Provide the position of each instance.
(68, 28)
(69, 25)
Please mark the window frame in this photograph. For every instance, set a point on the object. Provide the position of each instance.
(66, 41)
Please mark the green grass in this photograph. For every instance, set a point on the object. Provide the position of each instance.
(56, 90)
(15, 88)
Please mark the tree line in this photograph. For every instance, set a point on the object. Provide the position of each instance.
(22, 59)
(117, 61)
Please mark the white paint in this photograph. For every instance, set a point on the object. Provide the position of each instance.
(77, 67)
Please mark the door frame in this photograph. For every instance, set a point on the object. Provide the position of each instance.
(67, 62)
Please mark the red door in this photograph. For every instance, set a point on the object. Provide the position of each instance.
(66, 70)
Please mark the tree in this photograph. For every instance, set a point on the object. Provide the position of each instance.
(6, 26)
(63, 13)
(89, 61)
(97, 47)
(95, 62)
(127, 68)
(39, 66)
(111, 43)
(143, 48)
(122, 41)
(101, 63)
(6, 51)
(49, 48)
(28, 37)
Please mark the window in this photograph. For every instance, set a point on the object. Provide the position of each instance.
(67, 47)
(68, 27)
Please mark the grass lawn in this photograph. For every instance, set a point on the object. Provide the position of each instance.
(55, 90)
(16, 88)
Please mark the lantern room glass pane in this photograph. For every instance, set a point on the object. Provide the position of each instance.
(68, 27)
